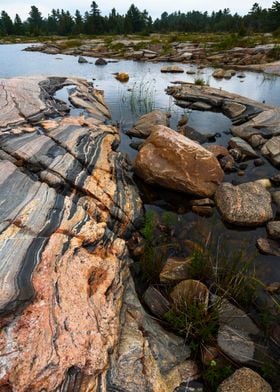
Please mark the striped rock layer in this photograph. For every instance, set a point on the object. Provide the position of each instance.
(66, 204)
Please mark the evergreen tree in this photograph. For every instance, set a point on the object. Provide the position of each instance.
(18, 26)
(35, 21)
(7, 27)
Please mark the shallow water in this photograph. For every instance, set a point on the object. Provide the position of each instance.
(146, 91)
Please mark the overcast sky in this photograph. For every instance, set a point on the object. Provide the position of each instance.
(22, 7)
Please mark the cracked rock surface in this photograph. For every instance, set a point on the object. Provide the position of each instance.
(67, 203)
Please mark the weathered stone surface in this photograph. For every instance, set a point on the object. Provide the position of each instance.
(247, 204)
(142, 128)
(233, 109)
(273, 229)
(245, 380)
(271, 150)
(193, 134)
(173, 161)
(63, 261)
(228, 103)
(174, 270)
(245, 148)
(218, 151)
(201, 106)
(148, 358)
(235, 333)
(218, 73)
(269, 247)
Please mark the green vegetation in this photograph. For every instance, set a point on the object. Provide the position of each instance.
(141, 97)
(216, 373)
(61, 22)
(200, 82)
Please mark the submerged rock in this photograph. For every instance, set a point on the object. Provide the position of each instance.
(269, 247)
(176, 162)
(101, 61)
(143, 127)
(244, 380)
(172, 69)
(247, 204)
(122, 77)
(82, 60)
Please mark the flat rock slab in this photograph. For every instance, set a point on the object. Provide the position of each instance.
(247, 204)
(176, 162)
(271, 150)
(246, 150)
(142, 128)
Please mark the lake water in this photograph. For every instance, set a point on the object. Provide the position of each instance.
(146, 90)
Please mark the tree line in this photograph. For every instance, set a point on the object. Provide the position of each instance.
(61, 22)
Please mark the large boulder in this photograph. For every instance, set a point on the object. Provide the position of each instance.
(142, 128)
(245, 380)
(247, 204)
(176, 162)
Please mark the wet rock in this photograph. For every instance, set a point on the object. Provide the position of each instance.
(233, 109)
(193, 134)
(201, 106)
(256, 141)
(176, 162)
(203, 210)
(275, 179)
(246, 150)
(174, 270)
(258, 162)
(236, 332)
(202, 202)
(143, 127)
(236, 154)
(136, 145)
(190, 292)
(148, 357)
(183, 121)
(191, 72)
(228, 74)
(82, 60)
(271, 150)
(247, 204)
(192, 386)
(218, 73)
(241, 75)
(101, 61)
(218, 151)
(122, 77)
(156, 302)
(245, 380)
(273, 288)
(276, 199)
(269, 247)
(172, 69)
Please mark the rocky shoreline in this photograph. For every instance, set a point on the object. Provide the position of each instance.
(259, 58)
(70, 217)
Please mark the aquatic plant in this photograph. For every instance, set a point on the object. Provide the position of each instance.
(142, 97)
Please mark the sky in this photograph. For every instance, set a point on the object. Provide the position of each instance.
(155, 8)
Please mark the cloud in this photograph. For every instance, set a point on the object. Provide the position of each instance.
(22, 7)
